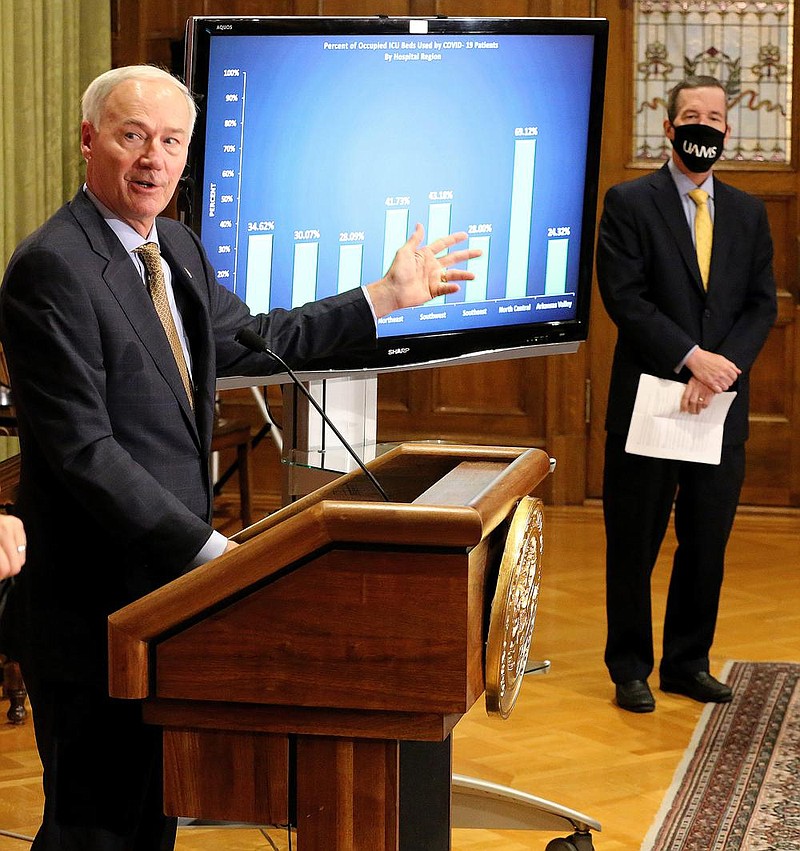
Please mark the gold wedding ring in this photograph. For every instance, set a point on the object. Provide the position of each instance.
(444, 275)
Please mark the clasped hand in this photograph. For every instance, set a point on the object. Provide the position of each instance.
(711, 374)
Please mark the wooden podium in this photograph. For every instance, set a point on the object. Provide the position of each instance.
(291, 675)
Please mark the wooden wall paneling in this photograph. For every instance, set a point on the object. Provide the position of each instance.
(126, 31)
(602, 338)
(770, 449)
(600, 345)
(481, 8)
(794, 497)
(782, 212)
(365, 8)
(152, 30)
(566, 428)
(500, 402)
(258, 7)
(498, 388)
(794, 462)
(769, 394)
(394, 399)
(773, 416)
(247, 7)
(508, 403)
(614, 159)
(515, 8)
(167, 18)
(163, 25)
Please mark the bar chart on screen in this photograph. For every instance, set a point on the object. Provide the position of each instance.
(302, 205)
(513, 239)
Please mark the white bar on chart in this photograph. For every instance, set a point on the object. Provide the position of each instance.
(259, 272)
(350, 267)
(476, 289)
(519, 237)
(438, 226)
(438, 223)
(555, 279)
(395, 234)
(304, 274)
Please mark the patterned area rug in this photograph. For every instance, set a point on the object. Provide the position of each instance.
(738, 787)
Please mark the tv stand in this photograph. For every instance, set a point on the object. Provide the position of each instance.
(312, 455)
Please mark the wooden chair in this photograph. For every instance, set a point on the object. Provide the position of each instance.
(232, 433)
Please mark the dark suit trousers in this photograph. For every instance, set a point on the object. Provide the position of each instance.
(102, 771)
(638, 495)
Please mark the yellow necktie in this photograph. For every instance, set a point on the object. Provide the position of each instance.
(157, 287)
(703, 233)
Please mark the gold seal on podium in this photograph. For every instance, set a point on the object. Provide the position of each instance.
(514, 607)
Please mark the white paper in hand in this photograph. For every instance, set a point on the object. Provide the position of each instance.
(660, 430)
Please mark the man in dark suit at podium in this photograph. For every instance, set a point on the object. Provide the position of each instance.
(697, 313)
(115, 330)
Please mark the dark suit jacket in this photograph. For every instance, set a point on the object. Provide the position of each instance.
(115, 489)
(650, 283)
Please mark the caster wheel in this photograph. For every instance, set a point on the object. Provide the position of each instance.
(575, 842)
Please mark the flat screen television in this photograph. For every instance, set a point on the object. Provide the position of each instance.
(321, 142)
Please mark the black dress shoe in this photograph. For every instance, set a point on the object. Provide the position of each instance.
(635, 696)
(700, 686)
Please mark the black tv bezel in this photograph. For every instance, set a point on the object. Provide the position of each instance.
(433, 349)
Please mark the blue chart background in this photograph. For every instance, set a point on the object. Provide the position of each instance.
(330, 134)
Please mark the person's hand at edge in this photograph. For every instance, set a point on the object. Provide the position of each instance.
(12, 546)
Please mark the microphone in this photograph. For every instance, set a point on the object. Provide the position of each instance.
(250, 340)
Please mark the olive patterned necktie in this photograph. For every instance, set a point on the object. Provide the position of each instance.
(157, 287)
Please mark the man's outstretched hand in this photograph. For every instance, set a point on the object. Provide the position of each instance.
(417, 275)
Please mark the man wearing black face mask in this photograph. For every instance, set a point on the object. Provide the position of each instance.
(682, 318)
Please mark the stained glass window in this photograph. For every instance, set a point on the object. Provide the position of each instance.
(746, 44)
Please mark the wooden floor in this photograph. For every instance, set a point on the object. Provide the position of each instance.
(565, 740)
